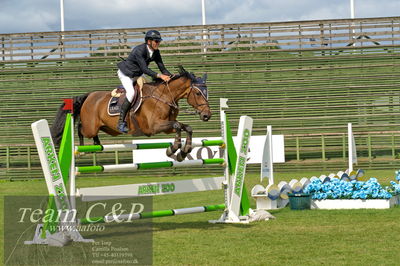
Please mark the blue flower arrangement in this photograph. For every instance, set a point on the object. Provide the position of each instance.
(340, 189)
(397, 175)
(394, 188)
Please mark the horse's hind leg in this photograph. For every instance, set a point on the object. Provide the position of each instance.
(188, 143)
(81, 138)
(177, 142)
(96, 140)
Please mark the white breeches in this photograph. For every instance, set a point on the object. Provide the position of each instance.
(127, 82)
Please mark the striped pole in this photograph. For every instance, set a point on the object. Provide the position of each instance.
(139, 166)
(143, 146)
(153, 214)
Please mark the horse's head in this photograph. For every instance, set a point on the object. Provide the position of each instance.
(197, 95)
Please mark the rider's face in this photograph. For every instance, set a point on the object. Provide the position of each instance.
(154, 44)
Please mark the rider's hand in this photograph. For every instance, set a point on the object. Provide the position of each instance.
(166, 78)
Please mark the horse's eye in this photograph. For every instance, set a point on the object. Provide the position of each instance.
(198, 93)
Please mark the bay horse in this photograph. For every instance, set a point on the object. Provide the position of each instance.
(157, 113)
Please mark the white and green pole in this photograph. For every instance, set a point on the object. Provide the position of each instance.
(143, 146)
(140, 166)
(152, 214)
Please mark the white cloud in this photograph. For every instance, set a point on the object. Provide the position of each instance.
(24, 17)
(373, 8)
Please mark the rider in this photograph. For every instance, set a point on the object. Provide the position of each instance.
(136, 65)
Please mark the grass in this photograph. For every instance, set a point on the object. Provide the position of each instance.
(311, 237)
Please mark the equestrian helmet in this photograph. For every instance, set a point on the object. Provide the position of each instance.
(153, 35)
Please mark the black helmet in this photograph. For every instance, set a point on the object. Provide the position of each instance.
(153, 35)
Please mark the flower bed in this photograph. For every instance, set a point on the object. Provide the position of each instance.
(340, 194)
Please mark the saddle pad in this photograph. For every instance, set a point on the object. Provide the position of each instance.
(114, 105)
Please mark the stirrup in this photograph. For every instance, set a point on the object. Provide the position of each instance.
(123, 127)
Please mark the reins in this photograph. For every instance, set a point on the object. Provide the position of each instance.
(172, 104)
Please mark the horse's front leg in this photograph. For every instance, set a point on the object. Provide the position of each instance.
(188, 143)
(177, 142)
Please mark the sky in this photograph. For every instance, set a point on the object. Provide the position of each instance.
(17, 16)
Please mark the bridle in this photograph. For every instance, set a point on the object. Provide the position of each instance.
(205, 96)
(172, 103)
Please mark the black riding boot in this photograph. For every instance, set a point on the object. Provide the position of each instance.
(122, 125)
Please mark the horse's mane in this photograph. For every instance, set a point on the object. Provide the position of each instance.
(182, 73)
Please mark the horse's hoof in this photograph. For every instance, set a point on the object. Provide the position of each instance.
(169, 151)
(181, 156)
(187, 149)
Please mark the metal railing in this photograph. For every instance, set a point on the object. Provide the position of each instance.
(321, 34)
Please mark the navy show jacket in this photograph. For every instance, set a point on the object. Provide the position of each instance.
(138, 62)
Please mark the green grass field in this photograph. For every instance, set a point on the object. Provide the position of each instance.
(309, 237)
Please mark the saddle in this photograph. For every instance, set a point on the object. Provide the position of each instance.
(118, 96)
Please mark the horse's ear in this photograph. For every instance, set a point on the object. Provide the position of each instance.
(205, 77)
(181, 69)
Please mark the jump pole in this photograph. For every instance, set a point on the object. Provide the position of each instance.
(140, 166)
(142, 146)
(153, 214)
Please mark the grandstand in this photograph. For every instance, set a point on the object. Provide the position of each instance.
(307, 79)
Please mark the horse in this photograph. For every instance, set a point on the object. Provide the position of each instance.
(157, 113)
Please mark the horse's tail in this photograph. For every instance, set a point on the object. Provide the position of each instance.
(58, 125)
